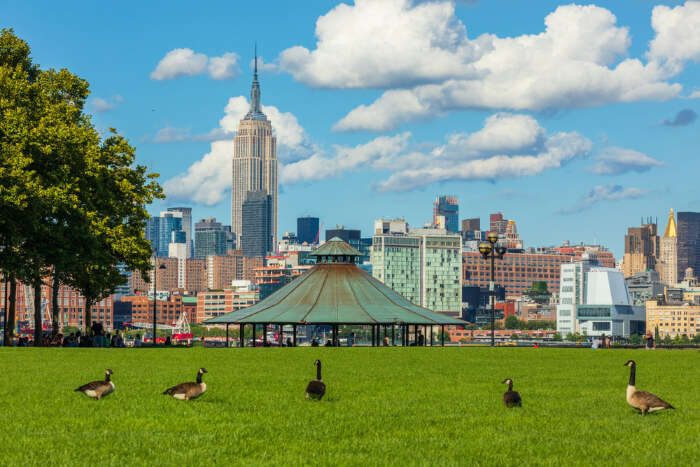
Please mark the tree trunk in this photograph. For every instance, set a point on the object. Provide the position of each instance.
(55, 311)
(88, 315)
(10, 316)
(38, 335)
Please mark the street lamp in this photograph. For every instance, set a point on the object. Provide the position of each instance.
(490, 250)
(155, 297)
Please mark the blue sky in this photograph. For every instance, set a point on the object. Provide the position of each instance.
(575, 120)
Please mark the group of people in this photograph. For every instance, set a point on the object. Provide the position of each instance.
(96, 337)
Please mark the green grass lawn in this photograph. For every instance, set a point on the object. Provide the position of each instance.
(428, 406)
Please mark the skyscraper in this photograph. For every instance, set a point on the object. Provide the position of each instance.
(254, 162)
(667, 266)
(186, 226)
(447, 206)
(497, 223)
(641, 249)
(209, 238)
(257, 238)
(307, 229)
(169, 222)
(688, 241)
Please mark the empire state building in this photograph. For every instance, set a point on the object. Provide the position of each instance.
(254, 164)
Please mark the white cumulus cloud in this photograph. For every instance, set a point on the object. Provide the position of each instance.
(207, 180)
(484, 156)
(579, 60)
(677, 34)
(185, 62)
(179, 62)
(224, 67)
(383, 44)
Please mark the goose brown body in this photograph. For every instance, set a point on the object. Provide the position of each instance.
(511, 398)
(187, 391)
(98, 389)
(316, 388)
(643, 400)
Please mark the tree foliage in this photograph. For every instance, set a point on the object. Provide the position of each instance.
(73, 202)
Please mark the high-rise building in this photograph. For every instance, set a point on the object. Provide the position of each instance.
(254, 162)
(169, 222)
(209, 238)
(688, 243)
(349, 236)
(667, 265)
(230, 238)
(594, 300)
(152, 232)
(497, 223)
(257, 240)
(424, 265)
(186, 227)
(447, 206)
(641, 249)
(308, 230)
(470, 225)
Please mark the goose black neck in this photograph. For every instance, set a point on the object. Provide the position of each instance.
(318, 372)
(633, 370)
(107, 375)
(199, 378)
(510, 386)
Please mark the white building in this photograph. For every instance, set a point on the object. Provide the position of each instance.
(594, 300)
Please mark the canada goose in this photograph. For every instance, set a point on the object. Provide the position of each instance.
(642, 400)
(511, 398)
(98, 389)
(316, 388)
(187, 391)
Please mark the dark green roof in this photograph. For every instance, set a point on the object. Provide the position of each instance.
(335, 247)
(335, 293)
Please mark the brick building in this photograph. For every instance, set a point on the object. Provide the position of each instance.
(516, 271)
(167, 311)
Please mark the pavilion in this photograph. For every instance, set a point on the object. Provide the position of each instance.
(334, 292)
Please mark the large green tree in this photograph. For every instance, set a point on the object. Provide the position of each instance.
(73, 202)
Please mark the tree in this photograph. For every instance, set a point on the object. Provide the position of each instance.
(512, 322)
(75, 203)
(556, 337)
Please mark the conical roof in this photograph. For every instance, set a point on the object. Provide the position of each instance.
(335, 293)
(335, 247)
(670, 226)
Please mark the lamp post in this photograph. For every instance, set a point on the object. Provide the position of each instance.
(490, 250)
(155, 291)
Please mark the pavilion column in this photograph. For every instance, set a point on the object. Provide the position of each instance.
(372, 335)
(265, 335)
(254, 325)
(227, 335)
(294, 335)
(241, 328)
(442, 335)
(415, 335)
(393, 335)
(431, 336)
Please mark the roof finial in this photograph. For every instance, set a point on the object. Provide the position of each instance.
(256, 60)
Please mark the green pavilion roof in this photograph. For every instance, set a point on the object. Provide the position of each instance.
(335, 247)
(335, 293)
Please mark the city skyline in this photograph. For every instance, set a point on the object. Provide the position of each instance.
(596, 160)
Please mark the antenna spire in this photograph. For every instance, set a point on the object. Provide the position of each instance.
(256, 60)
